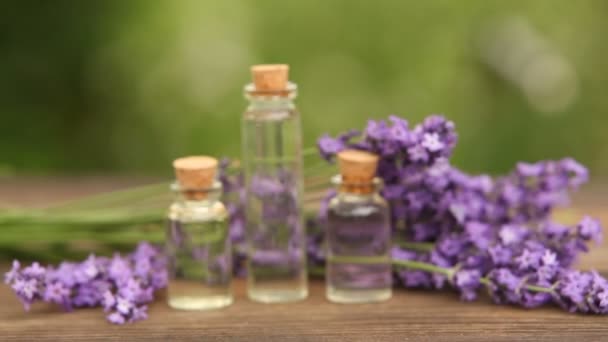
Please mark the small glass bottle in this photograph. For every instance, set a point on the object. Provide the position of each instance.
(358, 233)
(272, 163)
(197, 243)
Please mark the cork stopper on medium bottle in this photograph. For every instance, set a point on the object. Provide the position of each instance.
(195, 174)
(358, 169)
(270, 77)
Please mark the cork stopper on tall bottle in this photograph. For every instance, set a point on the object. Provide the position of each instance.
(358, 169)
(195, 175)
(269, 78)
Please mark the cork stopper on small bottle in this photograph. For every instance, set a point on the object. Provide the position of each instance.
(195, 174)
(270, 77)
(358, 169)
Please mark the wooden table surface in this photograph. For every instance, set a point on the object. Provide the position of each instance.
(409, 315)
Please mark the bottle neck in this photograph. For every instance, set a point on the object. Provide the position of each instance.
(188, 201)
(269, 100)
(197, 197)
(349, 197)
(359, 190)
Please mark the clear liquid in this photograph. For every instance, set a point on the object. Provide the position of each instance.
(275, 232)
(200, 260)
(358, 237)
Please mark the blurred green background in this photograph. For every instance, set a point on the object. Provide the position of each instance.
(126, 86)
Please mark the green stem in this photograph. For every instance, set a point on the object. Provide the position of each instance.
(309, 151)
(109, 217)
(533, 288)
(538, 288)
(449, 272)
(423, 266)
(416, 246)
(119, 235)
(114, 198)
(366, 260)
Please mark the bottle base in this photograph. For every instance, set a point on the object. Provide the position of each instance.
(200, 303)
(277, 295)
(345, 296)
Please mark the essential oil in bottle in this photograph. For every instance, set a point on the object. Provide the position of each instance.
(358, 233)
(197, 243)
(272, 162)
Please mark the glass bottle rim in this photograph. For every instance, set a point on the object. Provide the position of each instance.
(252, 93)
(338, 181)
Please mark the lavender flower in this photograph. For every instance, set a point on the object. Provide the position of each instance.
(329, 147)
(376, 130)
(468, 281)
(122, 285)
(590, 229)
(13, 274)
(487, 232)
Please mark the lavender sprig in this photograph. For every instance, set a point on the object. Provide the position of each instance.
(469, 231)
(575, 291)
(518, 267)
(123, 285)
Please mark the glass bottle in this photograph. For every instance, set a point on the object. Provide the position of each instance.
(358, 233)
(197, 242)
(272, 163)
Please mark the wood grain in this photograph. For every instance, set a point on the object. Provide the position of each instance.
(408, 316)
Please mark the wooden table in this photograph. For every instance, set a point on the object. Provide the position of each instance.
(409, 315)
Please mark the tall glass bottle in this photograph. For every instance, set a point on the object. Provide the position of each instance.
(197, 243)
(358, 233)
(272, 161)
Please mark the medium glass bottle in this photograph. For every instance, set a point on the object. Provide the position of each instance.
(272, 163)
(197, 243)
(358, 233)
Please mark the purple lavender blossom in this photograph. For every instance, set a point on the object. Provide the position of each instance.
(579, 292)
(431, 142)
(483, 231)
(328, 146)
(500, 255)
(123, 285)
(11, 276)
(116, 318)
(57, 293)
(590, 229)
(468, 281)
(480, 234)
(415, 278)
(376, 130)
(399, 132)
(529, 170)
(512, 234)
(418, 153)
(34, 271)
(528, 260)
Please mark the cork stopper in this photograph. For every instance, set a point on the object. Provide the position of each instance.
(195, 174)
(358, 169)
(270, 77)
